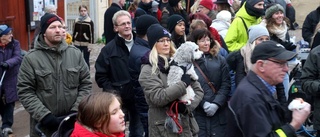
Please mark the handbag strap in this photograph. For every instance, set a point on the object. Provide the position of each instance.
(205, 77)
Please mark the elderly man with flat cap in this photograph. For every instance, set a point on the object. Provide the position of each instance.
(254, 109)
(53, 78)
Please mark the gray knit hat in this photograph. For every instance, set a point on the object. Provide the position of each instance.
(273, 9)
(256, 31)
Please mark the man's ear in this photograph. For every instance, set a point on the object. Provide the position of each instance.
(44, 35)
(115, 29)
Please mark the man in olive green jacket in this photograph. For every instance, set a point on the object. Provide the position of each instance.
(53, 78)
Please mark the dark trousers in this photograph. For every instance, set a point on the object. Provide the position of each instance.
(6, 111)
(86, 53)
(135, 125)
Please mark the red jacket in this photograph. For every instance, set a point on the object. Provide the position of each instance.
(80, 131)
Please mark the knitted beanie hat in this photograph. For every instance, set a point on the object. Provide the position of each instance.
(173, 20)
(224, 15)
(173, 3)
(46, 20)
(144, 22)
(256, 31)
(4, 29)
(207, 4)
(156, 32)
(273, 9)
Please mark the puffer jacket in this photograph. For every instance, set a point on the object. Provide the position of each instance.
(221, 26)
(11, 55)
(216, 70)
(237, 35)
(159, 95)
(310, 82)
(52, 80)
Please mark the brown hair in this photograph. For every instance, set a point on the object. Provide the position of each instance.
(197, 23)
(93, 110)
(83, 6)
(197, 34)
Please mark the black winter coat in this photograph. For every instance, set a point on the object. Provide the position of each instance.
(108, 25)
(257, 112)
(310, 23)
(112, 69)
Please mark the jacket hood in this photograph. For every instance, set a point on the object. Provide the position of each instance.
(244, 14)
(220, 24)
(40, 44)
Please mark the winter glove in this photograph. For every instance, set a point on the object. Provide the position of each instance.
(210, 108)
(4, 65)
(186, 78)
(182, 108)
(289, 46)
(50, 121)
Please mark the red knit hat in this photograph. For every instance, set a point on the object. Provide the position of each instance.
(207, 3)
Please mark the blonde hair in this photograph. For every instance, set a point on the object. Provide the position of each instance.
(93, 110)
(195, 6)
(197, 23)
(154, 58)
(314, 34)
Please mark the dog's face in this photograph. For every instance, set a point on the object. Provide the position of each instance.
(187, 52)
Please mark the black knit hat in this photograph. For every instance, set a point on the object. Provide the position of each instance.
(271, 50)
(46, 20)
(156, 32)
(173, 3)
(173, 20)
(144, 22)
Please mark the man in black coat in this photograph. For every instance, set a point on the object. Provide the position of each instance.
(254, 110)
(109, 32)
(310, 23)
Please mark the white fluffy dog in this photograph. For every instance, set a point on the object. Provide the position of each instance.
(184, 56)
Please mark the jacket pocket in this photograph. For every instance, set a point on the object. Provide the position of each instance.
(85, 36)
(72, 77)
(44, 79)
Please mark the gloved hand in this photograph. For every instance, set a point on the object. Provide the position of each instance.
(4, 65)
(210, 108)
(50, 121)
(289, 46)
(186, 78)
(182, 108)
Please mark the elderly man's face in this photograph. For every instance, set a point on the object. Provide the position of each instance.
(123, 26)
(274, 71)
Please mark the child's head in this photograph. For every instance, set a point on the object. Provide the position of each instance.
(101, 111)
(176, 23)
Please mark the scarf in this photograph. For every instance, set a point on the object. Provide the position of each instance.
(161, 62)
(82, 18)
(279, 31)
(246, 53)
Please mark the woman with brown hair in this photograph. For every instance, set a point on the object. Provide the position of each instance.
(210, 114)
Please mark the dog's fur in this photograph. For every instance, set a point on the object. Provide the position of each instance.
(184, 56)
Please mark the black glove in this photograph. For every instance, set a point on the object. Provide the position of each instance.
(182, 108)
(289, 46)
(50, 121)
(4, 65)
(186, 79)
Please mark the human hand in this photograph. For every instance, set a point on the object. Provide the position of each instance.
(299, 116)
(182, 108)
(50, 121)
(210, 108)
(186, 78)
(4, 65)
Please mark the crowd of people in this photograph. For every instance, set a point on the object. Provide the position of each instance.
(243, 84)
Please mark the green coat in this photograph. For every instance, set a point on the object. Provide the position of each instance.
(158, 95)
(237, 35)
(52, 80)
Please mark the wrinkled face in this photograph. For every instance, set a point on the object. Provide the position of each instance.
(163, 46)
(261, 39)
(123, 26)
(54, 33)
(278, 17)
(6, 38)
(204, 44)
(274, 71)
(117, 122)
(203, 10)
(180, 28)
(83, 11)
(259, 5)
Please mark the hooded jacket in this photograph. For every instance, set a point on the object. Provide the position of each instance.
(237, 35)
(52, 80)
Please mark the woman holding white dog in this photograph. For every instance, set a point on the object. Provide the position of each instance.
(212, 68)
(159, 96)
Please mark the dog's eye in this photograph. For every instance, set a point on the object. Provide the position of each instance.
(196, 50)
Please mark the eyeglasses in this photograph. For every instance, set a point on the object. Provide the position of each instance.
(281, 64)
(124, 24)
(204, 40)
(162, 41)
